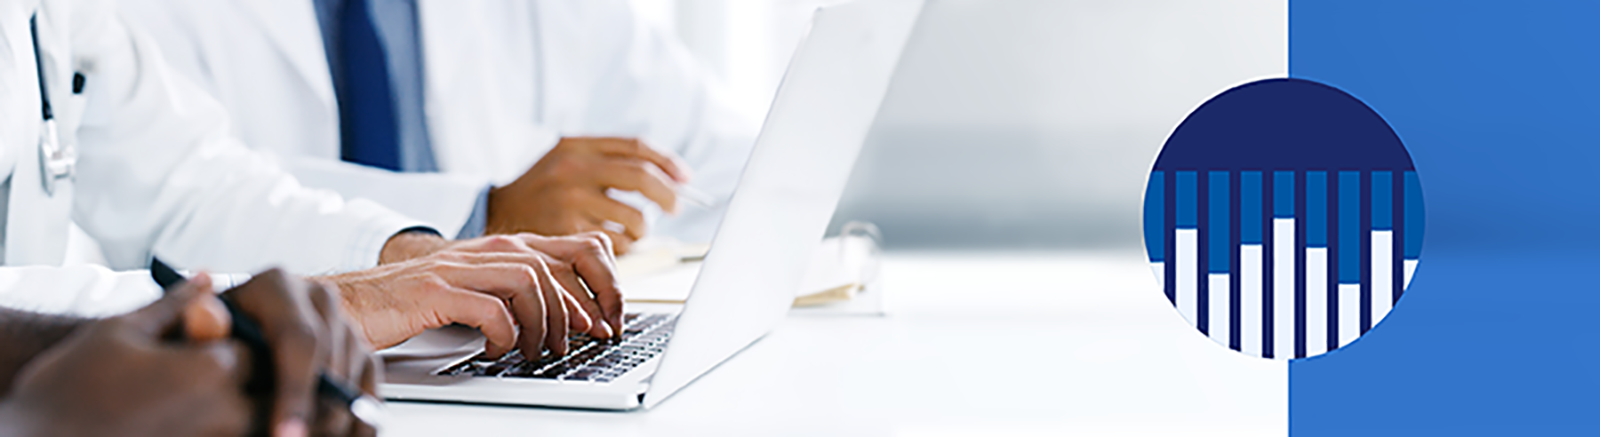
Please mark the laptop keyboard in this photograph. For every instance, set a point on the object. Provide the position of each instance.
(588, 359)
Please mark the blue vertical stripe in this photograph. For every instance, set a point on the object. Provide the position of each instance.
(1187, 210)
(1283, 194)
(1350, 227)
(1413, 216)
(1217, 211)
(1155, 227)
(1316, 209)
(1250, 207)
(1382, 204)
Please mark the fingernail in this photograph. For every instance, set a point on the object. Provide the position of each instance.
(291, 428)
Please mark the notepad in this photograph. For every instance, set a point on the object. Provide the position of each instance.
(663, 271)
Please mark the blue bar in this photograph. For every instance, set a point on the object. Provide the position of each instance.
(1413, 219)
(1250, 207)
(1316, 209)
(1382, 201)
(1350, 227)
(1155, 217)
(1187, 210)
(1219, 244)
(1283, 194)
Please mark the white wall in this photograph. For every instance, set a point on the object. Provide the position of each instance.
(1014, 122)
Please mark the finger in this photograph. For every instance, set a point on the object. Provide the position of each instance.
(206, 319)
(641, 176)
(591, 259)
(578, 320)
(590, 255)
(486, 313)
(333, 418)
(603, 208)
(621, 244)
(371, 373)
(579, 296)
(633, 148)
(292, 330)
(220, 368)
(334, 332)
(555, 338)
(158, 317)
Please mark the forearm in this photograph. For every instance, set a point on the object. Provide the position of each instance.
(25, 335)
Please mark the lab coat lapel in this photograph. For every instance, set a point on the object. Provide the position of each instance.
(36, 225)
(292, 26)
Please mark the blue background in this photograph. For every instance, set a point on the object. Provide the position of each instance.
(1499, 104)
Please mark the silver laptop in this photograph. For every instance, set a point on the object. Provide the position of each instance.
(785, 197)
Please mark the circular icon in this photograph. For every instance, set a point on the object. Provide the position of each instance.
(1284, 218)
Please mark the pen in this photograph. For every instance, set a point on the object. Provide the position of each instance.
(364, 407)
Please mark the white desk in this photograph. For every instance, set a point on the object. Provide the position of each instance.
(974, 344)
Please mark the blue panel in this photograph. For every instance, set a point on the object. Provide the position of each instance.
(1250, 207)
(1155, 223)
(1187, 209)
(1497, 103)
(1316, 209)
(1414, 216)
(1282, 194)
(1350, 227)
(1217, 211)
(1382, 200)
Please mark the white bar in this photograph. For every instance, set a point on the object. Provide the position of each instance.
(1316, 300)
(1382, 274)
(1160, 269)
(1410, 267)
(1283, 281)
(1349, 313)
(1250, 320)
(1188, 288)
(1219, 297)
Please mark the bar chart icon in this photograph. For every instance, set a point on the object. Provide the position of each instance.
(1283, 219)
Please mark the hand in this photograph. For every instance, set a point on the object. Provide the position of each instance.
(306, 330)
(545, 285)
(565, 192)
(123, 376)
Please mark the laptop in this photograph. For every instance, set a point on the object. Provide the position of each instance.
(777, 215)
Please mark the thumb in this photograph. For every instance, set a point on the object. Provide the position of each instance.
(157, 317)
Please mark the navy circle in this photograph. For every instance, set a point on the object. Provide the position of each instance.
(1284, 218)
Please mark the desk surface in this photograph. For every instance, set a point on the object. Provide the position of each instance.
(974, 343)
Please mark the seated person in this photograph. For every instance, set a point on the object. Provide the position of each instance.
(170, 368)
(499, 116)
(97, 131)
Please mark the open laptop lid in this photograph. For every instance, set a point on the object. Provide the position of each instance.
(790, 186)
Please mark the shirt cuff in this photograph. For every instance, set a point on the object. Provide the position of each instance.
(479, 220)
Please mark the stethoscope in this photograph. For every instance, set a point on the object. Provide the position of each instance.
(56, 161)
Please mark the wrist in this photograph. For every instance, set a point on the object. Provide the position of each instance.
(411, 243)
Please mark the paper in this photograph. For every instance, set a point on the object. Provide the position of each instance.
(839, 269)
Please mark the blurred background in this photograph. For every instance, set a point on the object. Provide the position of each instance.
(1010, 124)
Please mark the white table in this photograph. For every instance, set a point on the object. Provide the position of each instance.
(1045, 343)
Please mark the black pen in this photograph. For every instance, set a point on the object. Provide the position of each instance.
(364, 407)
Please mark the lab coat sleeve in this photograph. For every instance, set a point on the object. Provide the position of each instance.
(654, 87)
(160, 174)
(82, 290)
(446, 200)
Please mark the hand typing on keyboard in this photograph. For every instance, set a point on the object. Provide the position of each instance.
(590, 359)
(522, 291)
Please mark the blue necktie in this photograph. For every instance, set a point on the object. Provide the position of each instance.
(366, 105)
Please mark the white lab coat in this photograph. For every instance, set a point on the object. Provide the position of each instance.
(503, 81)
(157, 173)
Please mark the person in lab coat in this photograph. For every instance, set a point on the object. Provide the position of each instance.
(497, 110)
(170, 369)
(95, 130)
